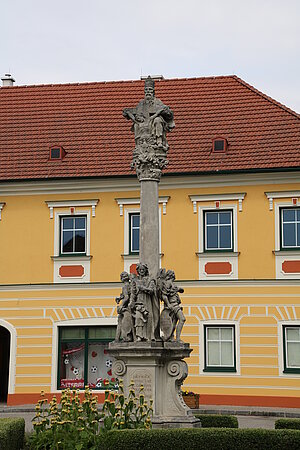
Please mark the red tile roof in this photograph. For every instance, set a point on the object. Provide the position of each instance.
(86, 120)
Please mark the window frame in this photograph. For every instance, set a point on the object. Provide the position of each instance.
(289, 248)
(231, 369)
(286, 369)
(130, 215)
(218, 210)
(225, 143)
(73, 216)
(84, 340)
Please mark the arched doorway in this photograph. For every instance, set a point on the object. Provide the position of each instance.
(4, 362)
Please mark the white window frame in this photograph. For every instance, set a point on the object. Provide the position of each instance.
(220, 324)
(282, 340)
(202, 210)
(219, 226)
(58, 232)
(61, 235)
(295, 247)
(132, 252)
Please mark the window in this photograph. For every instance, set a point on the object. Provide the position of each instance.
(84, 358)
(134, 233)
(57, 153)
(291, 348)
(219, 350)
(219, 145)
(290, 228)
(218, 230)
(73, 235)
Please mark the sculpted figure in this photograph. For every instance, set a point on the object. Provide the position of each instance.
(151, 118)
(172, 316)
(125, 323)
(142, 291)
(141, 318)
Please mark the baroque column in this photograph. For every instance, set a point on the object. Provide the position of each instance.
(151, 121)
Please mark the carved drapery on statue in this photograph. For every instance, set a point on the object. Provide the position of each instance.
(151, 121)
(139, 317)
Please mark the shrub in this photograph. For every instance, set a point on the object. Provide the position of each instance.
(291, 424)
(217, 421)
(192, 439)
(73, 425)
(12, 433)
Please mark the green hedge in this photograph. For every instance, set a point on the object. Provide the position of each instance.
(213, 438)
(291, 424)
(12, 434)
(217, 421)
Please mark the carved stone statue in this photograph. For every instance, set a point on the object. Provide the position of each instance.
(151, 121)
(125, 328)
(143, 292)
(172, 316)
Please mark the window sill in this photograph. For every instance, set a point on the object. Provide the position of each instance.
(287, 252)
(213, 254)
(220, 369)
(72, 257)
(133, 256)
(288, 371)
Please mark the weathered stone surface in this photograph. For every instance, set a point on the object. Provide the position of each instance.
(151, 121)
(161, 369)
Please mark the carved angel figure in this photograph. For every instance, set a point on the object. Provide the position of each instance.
(125, 330)
(172, 316)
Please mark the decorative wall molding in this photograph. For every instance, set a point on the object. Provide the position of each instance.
(217, 198)
(293, 195)
(136, 201)
(72, 204)
(1, 207)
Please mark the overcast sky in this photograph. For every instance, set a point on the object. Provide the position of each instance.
(62, 41)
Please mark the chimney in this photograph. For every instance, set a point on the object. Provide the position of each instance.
(7, 80)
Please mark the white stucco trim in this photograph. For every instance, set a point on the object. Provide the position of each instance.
(136, 201)
(72, 204)
(99, 321)
(217, 198)
(231, 257)
(12, 355)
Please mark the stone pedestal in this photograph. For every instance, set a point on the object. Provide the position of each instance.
(160, 368)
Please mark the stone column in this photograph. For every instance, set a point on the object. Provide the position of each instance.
(149, 226)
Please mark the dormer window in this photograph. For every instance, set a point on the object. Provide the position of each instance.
(56, 153)
(219, 145)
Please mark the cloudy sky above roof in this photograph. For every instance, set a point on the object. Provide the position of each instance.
(63, 41)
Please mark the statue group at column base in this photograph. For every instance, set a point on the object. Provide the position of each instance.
(148, 349)
(160, 368)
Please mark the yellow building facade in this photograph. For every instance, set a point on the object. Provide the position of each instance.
(242, 305)
(229, 217)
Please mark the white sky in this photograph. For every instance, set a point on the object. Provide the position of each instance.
(62, 41)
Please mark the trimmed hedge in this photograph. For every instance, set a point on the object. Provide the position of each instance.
(12, 432)
(213, 438)
(217, 421)
(290, 424)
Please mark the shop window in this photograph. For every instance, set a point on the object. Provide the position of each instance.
(218, 230)
(219, 348)
(73, 235)
(290, 228)
(84, 358)
(291, 346)
(134, 233)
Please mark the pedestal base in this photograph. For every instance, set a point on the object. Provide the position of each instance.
(160, 368)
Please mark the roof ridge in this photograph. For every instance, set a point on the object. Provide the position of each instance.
(266, 97)
(84, 83)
